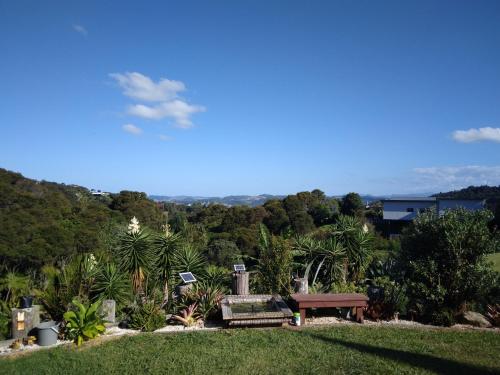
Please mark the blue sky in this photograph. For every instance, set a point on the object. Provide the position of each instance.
(236, 97)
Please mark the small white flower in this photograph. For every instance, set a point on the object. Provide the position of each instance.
(134, 226)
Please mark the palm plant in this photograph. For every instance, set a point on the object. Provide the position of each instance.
(357, 243)
(61, 286)
(136, 256)
(327, 261)
(111, 283)
(165, 246)
(216, 277)
(14, 286)
(321, 259)
(188, 259)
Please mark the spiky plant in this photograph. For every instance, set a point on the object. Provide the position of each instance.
(111, 283)
(14, 285)
(166, 245)
(136, 256)
(327, 261)
(217, 277)
(357, 242)
(188, 316)
(188, 259)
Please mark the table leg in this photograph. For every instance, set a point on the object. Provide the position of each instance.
(359, 314)
(302, 317)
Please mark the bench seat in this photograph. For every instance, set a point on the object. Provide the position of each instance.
(353, 300)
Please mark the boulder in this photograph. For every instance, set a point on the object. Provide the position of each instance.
(475, 319)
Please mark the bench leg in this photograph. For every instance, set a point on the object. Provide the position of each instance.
(359, 314)
(302, 317)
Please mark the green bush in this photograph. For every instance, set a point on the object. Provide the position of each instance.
(391, 300)
(147, 317)
(444, 265)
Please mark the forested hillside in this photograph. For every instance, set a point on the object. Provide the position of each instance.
(41, 221)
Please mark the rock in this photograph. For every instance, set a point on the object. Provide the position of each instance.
(475, 319)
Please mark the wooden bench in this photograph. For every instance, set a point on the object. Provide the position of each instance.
(353, 300)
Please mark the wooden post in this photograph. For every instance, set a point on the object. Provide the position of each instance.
(302, 316)
(301, 286)
(240, 283)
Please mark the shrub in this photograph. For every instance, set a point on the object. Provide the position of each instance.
(206, 297)
(443, 260)
(84, 323)
(4, 320)
(387, 298)
(147, 317)
(275, 264)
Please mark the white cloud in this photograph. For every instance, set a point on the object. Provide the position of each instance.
(80, 29)
(164, 137)
(477, 135)
(177, 110)
(138, 86)
(132, 129)
(452, 178)
(165, 92)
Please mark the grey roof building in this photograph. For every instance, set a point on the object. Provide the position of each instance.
(407, 209)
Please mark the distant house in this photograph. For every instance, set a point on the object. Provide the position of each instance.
(99, 192)
(398, 212)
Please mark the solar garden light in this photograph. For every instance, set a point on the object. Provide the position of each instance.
(187, 283)
(240, 280)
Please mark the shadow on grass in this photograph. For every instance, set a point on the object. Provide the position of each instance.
(423, 361)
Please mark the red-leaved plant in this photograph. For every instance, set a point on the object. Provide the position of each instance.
(188, 316)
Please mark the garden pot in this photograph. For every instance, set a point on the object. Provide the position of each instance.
(26, 302)
(47, 333)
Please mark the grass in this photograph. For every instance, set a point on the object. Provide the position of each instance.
(495, 258)
(342, 349)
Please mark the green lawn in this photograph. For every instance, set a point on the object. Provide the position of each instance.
(338, 349)
(495, 258)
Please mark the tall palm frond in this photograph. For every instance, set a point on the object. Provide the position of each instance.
(137, 257)
(188, 259)
(112, 283)
(165, 246)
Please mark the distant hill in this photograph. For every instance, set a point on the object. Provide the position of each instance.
(239, 200)
(490, 193)
(231, 200)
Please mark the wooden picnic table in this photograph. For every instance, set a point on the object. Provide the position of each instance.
(353, 300)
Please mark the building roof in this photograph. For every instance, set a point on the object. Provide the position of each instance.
(410, 199)
(428, 199)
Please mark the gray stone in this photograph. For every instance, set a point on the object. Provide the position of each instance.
(107, 310)
(301, 286)
(475, 319)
